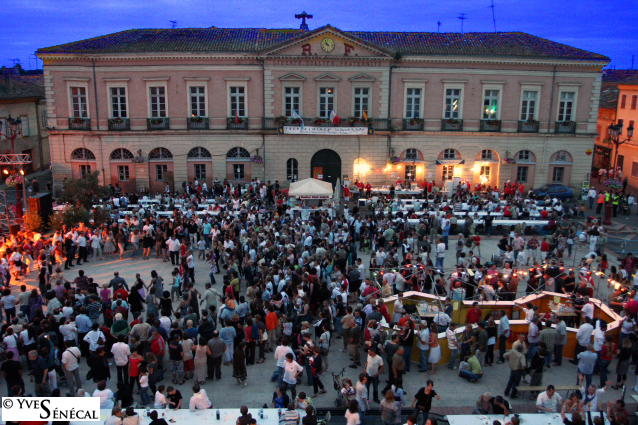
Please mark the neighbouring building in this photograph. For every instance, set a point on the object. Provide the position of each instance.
(22, 96)
(618, 101)
(211, 103)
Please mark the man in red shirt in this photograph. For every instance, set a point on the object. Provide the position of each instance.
(368, 190)
(474, 314)
(121, 291)
(544, 248)
(544, 214)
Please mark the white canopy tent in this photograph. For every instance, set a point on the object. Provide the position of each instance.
(311, 189)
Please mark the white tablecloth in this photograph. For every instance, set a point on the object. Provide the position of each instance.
(198, 417)
(527, 419)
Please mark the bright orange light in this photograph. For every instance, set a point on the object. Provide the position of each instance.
(22, 172)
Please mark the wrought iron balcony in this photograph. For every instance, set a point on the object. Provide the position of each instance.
(157, 123)
(381, 124)
(119, 124)
(565, 127)
(80, 124)
(231, 123)
(451, 124)
(529, 126)
(413, 124)
(197, 123)
(490, 125)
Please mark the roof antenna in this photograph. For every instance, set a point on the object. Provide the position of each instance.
(493, 16)
(462, 18)
(438, 26)
(173, 24)
(15, 61)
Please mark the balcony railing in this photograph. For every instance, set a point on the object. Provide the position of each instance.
(490, 125)
(157, 123)
(231, 124)
(119, 124)
(79, 123)
(451, 124)
(197, 123)
(565, 127)
(528, 126)
(413, 124)
(381, 124)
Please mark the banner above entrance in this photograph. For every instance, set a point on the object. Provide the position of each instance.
(335, 131)
(449, 161)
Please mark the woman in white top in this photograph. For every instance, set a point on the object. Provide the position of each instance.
(352, 414)
(96, 244)
(398, 309)
(11, 342)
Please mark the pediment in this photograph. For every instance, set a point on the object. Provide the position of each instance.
(327, 77)
(327, 42)
(363, 78)
(292, 77)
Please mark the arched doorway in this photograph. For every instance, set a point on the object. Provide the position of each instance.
(123, 170)
(83, 162)
(524, 169)
(200, 165)
(448, 166)
(412, 169)
(487, 168)
(360, 170)
(326, 165)
(238, 165)
(161, 169)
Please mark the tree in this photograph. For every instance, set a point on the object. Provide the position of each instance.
(72, 216)
(85, 191)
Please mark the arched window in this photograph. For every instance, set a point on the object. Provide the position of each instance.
(160, 154)
(237, 154)
(411, 154)
(121, 154)
(562, 156)
(199, 153)
(526, 156)
(82, 154)
(449, 154)
(488, 155)
(292, 169)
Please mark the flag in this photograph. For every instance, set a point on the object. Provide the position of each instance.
(237, 114)
(365, 115)
(334, 118)
(295, 115)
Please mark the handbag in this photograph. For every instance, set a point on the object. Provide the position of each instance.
(264, 336)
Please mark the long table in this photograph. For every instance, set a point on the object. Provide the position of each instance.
(525, 418)
(198, 417)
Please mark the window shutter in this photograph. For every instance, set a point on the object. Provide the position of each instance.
(634, 169)
(25, 126)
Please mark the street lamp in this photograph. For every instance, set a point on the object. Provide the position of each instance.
(14, 129)
(614, 132)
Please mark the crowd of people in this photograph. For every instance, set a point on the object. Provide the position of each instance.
(293, 288)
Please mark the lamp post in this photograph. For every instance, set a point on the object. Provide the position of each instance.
(614, 132)
(14, 129)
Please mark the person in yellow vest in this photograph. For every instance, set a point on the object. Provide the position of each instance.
(616, 202)
(601, 201)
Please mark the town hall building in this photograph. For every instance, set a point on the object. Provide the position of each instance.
(147, 107)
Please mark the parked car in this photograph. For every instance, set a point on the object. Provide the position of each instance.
(554, 190)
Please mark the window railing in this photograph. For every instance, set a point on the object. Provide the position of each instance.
(119, 124)
(528, 126)
(233, 123)
(157, 124)
(413, 124)
(565, 127)
(198, 123)
(80, 124)
(451, 124)
(490, 125)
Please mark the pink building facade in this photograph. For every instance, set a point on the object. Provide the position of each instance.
(201, 103)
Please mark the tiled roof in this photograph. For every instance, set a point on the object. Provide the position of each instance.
(254, 40)
(609, 89)
(22, 87)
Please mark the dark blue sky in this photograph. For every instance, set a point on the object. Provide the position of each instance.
(596, 25)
